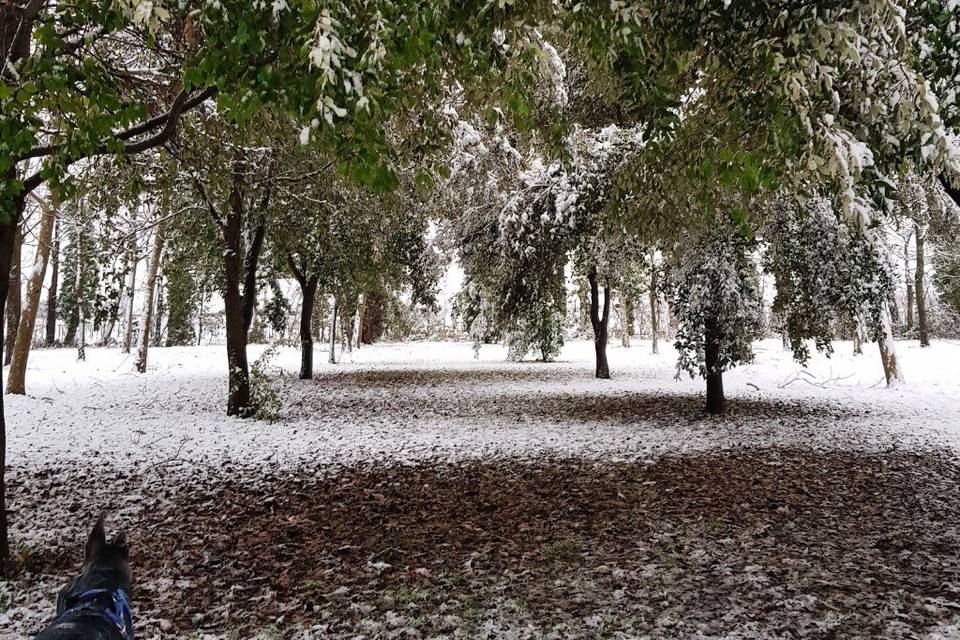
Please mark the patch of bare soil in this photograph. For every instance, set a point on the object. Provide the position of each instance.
(740, 543)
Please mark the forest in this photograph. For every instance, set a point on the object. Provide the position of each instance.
(529, 319)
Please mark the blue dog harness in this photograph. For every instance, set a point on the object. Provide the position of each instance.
(117, 612)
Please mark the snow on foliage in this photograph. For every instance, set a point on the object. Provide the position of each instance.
(716, 295)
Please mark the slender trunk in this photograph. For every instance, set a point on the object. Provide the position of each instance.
(921, 298)
(200, 304)
(909, 279)
(81, 315)
(132, 290)
(716, 403)
(128, 329)
(16, 382)
(858, 335)
(627, 323)
(238, 397)
(73, 321)
(654, 310)
(15, 294)
(51, 337)
(600, 323)
(361, 311)
(9, 220)
(894, 310)
(251, 259)
(146, 317)
(309, 291)
(333, 333)
(105, 340)
(888, 351)
(785, 339)
(158, 313)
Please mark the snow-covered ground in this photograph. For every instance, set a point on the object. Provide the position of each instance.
(409, 402)
(815, 477)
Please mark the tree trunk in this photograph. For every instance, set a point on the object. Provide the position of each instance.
(654, 310)
(16, 30)
(888, 351)
(81, 316)
(371, 322)
(200, 304)
(600, 323)
(716, 403)
(16, 382)
(921, 298)
(51, 337)
(15, 294)
(134, 261)
(858, 335)
(309, 291)
(627, 323)
(238, 397)
(333, 333)
(146, 318)
(909, 279)
(158, 313)
(73, 322)
(9, 220)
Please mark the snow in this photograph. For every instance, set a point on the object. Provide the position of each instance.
(405, 403)
(417, 402)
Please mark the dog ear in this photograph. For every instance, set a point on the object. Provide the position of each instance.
(96, 541)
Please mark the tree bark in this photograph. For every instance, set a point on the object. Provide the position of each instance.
(238, 397)
(371, 323)
(251, 259)
(858, 335)
(128, 329)
(15, 294)
(654, 310)
(81, 316)
(599, 322)
(9, 220)
(16, 382)
(716, 402)
(909, 280)
(333, 333)
(627, 324)
(920, 235)
(308, 291)
(158, 313)
(146, 318)
(51, 337)
(888, 351)
(73, 322)
(306, 336)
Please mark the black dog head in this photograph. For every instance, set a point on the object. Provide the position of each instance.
(106, 565)
(100, 554)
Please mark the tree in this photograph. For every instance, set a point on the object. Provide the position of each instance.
(28, 319)
(920, 234)
(717, 302)
(14, 296)
(600, 322)
(827, 271)
(51, 329)
(146, 317)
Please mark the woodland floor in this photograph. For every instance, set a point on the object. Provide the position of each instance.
(419, 494)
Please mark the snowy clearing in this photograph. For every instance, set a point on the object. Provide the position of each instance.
(410, 402)
(418, 492)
